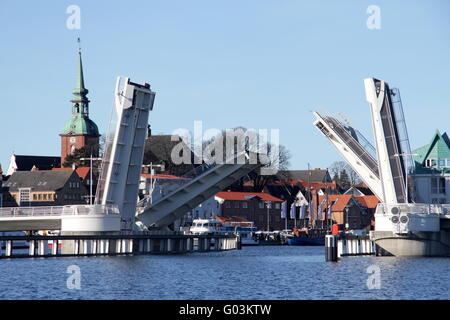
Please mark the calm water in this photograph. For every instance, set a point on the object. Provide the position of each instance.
(252, 273)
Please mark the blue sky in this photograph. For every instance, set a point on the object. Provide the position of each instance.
(258, 64)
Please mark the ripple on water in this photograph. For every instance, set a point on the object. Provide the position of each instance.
(277, 272)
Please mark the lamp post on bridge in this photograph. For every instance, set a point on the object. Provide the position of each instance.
(91, 159)
(151, 165)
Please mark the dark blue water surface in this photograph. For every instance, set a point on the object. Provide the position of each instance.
(275, 272)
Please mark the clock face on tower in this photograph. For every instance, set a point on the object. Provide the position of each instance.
(73, 139)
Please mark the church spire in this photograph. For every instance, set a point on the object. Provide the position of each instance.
(80, 100)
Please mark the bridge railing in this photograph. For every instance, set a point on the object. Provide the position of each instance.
(414, 208)
(58, 210)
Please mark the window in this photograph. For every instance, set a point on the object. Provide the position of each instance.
(441, 163)
(24, 194)
(438, 185)
(227, 204)
(277, 205)
(430, 163)
(244, 204)
(236, 204)
(261, 204)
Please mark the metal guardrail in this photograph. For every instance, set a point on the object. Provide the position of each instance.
(58, 210)
(414, 208)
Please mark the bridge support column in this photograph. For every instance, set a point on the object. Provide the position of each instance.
(54, 247)
(94, 246)
(8, 248)
(149, 247)
(31, 248)
(130, 245)
(169, 245)
(190, 244)
(41, 247)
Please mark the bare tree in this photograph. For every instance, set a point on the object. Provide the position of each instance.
(275, 157)
(337, 168)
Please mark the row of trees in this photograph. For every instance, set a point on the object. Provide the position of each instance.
(344, 176)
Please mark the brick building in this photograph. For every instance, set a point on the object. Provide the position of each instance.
(355, 212)
(252, 206)
(80, 131)
(44, 188)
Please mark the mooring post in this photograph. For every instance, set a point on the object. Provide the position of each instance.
(331, 248)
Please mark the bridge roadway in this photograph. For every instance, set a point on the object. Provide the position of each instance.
(47, 217)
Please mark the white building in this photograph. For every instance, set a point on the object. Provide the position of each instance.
(432, 176)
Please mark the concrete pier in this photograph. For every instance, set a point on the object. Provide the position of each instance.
(116, 244)
(349, 245)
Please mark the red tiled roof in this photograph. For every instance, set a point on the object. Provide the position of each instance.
(368, 201)
(341, 201)
(243, 196)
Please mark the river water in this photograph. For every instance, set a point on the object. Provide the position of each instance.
(271, 272)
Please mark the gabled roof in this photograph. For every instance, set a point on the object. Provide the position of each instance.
(158, 149)
(26, 163)
(438, 148)
(42, 180)
(244, 196)
(81, 171)
(342, 200)
(316, 175)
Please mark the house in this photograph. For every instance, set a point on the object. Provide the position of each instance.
(158, 184)
(432, 171)
(28, 163)
(85, 175)
(316, 175)
(158, 155)
(261, 208)
(45, 188)
(351, 212)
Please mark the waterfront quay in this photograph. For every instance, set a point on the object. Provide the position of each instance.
(110, 245)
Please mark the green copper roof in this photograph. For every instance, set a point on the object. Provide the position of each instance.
(438, 148)
(80, 122)
(80, 125)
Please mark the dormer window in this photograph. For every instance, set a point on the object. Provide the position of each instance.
(430, 163)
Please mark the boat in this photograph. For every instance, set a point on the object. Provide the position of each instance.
(246, 230)
(306, 237)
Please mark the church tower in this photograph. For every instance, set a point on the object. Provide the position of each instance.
(79, 131)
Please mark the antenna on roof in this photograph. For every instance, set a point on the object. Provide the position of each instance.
(79, 44)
